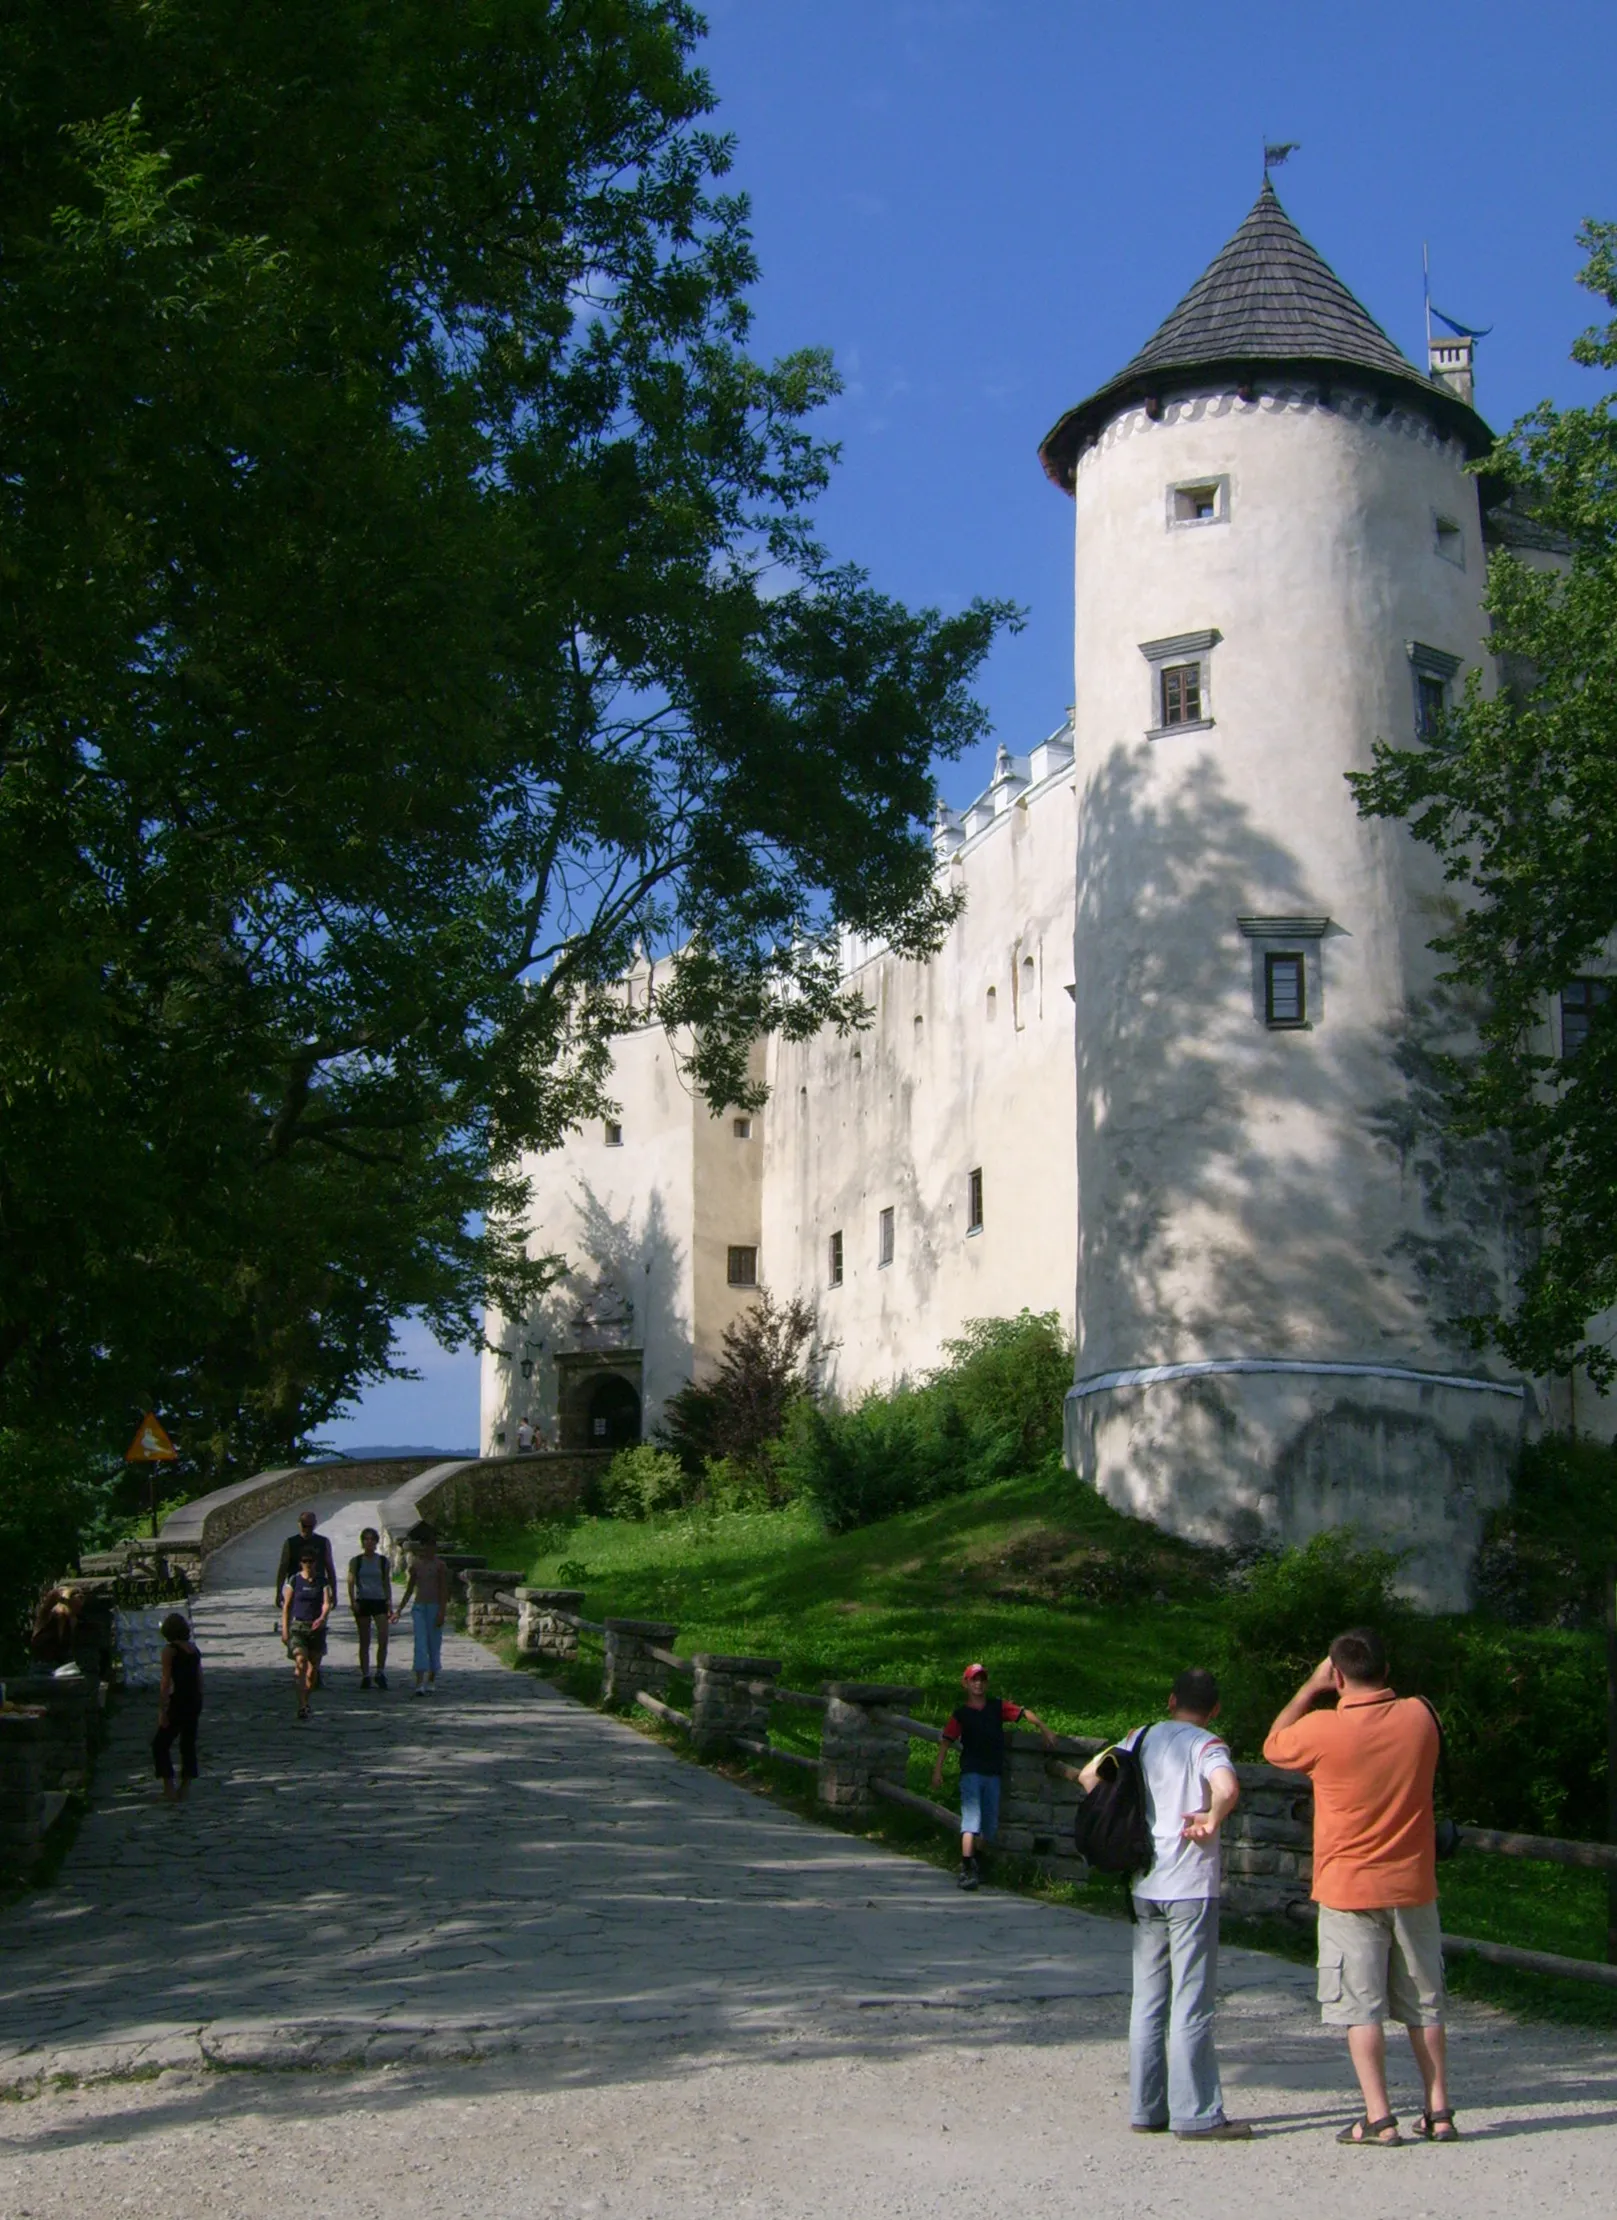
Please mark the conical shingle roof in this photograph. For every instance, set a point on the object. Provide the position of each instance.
(1266, 301)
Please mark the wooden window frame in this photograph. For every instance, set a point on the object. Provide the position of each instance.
(612, 1133)
(886, 1238)
(974, 1199)
(1580, 998)
(1180, 698)
(736, 1273)
(1292, 959)
(834, 1259)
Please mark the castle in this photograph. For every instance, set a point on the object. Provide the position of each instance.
(1167, 1077)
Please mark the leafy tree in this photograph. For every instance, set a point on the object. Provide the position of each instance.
(764, 1368)
(1517, 792)
(411, 606)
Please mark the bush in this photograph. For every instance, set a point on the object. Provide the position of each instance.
(738, 1416)
(993, 1410)
(1544, 1557)
(1524, 1714)
(642, 1481)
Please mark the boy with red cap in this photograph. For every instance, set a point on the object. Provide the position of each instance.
(978, 1726)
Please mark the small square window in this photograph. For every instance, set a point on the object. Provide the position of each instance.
(1181, 694)
(974, 1201)
(614, 1134)
(834, 1262)
(743, 1267)
(1203, 501)
(1285, 991)
(741, 1128)
(1580, 998)
(884, 1237)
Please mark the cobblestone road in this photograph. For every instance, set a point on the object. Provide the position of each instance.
(492, 1914)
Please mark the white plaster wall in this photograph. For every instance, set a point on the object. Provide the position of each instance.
(622, 1215)
(1242, 1191)
(899, 1114)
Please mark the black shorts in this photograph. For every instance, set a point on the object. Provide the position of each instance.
(364, 1610)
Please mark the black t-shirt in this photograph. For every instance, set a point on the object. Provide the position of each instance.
(981, 1734)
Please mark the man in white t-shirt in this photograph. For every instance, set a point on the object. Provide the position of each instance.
(1191, 1789)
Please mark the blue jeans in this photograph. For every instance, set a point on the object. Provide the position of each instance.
(979, 1805)
(429, 1637)
(1173, 2067)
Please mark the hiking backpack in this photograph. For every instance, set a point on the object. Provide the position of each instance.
(1112, 1829)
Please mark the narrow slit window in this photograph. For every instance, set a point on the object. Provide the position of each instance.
(974, 1201)
(1285, 992)
(834, 1262)
(1182, 694)
(1431, 704)
(884, 1236)
(614, 1134)
(743, 1267)
(1580, 998)
(741, 1128)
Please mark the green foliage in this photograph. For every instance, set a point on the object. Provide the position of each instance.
(736, 1418)
(641, 1481)
(53, 1500)
(1517, 793)
(1523, 1713)
(411, 607)
(1545, 1558)
(993, 1409)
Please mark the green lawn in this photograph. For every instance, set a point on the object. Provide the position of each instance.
(1001, 1575)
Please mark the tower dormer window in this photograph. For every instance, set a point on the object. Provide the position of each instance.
(1181, 682)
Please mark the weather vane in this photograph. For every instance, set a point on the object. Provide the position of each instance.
(1274, 155)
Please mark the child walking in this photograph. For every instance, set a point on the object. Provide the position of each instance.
(978, 1726)
(179, 1707)
(370, 1598)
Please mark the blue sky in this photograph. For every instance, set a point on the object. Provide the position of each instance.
(983, 207)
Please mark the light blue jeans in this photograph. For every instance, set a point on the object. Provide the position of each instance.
(1173, 2067)
(979, 1805)
(429, 1637)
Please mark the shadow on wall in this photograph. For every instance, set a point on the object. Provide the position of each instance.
(612, 1324)
(1278, 1194)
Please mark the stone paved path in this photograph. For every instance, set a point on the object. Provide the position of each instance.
(548, 1967)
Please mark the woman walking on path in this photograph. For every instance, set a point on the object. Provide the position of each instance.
(427, 1594)
(179, 1707)
(370, 1598)
(304, 1612)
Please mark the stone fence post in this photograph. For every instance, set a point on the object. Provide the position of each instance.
(859, 1742)
(629, 1662)
(71, 1708)
(732, 1697)
(1269, 1842)
(22, 1789)
(483, 1613)
(1039, 1805)
(540, 1633)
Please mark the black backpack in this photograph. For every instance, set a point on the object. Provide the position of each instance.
(1111, 1828)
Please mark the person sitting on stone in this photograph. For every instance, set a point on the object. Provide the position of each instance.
(55, 1630)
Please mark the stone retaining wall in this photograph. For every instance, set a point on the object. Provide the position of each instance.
(472, 1490)
(197, 1529)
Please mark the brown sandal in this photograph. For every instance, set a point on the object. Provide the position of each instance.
(1427, 2124)
(1366, 2134)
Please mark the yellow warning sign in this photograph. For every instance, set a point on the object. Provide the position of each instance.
(151, 1446)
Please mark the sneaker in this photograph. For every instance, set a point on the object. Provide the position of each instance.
(418, 1691)
(1221, 2131)
(381, 1680)
(968, 1874)
(364, 1680)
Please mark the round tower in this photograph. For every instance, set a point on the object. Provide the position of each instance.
(1279, 559)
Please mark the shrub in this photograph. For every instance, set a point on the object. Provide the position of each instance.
(1279, 1624)
(737, 1417)
(641, 1481)
(993, 1410)
(1544, 1557)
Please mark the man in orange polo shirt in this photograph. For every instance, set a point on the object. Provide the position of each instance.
(1372, 1761)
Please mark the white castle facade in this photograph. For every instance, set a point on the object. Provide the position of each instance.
(1166, 1075)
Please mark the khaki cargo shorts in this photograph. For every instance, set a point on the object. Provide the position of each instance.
(1383, 1965)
